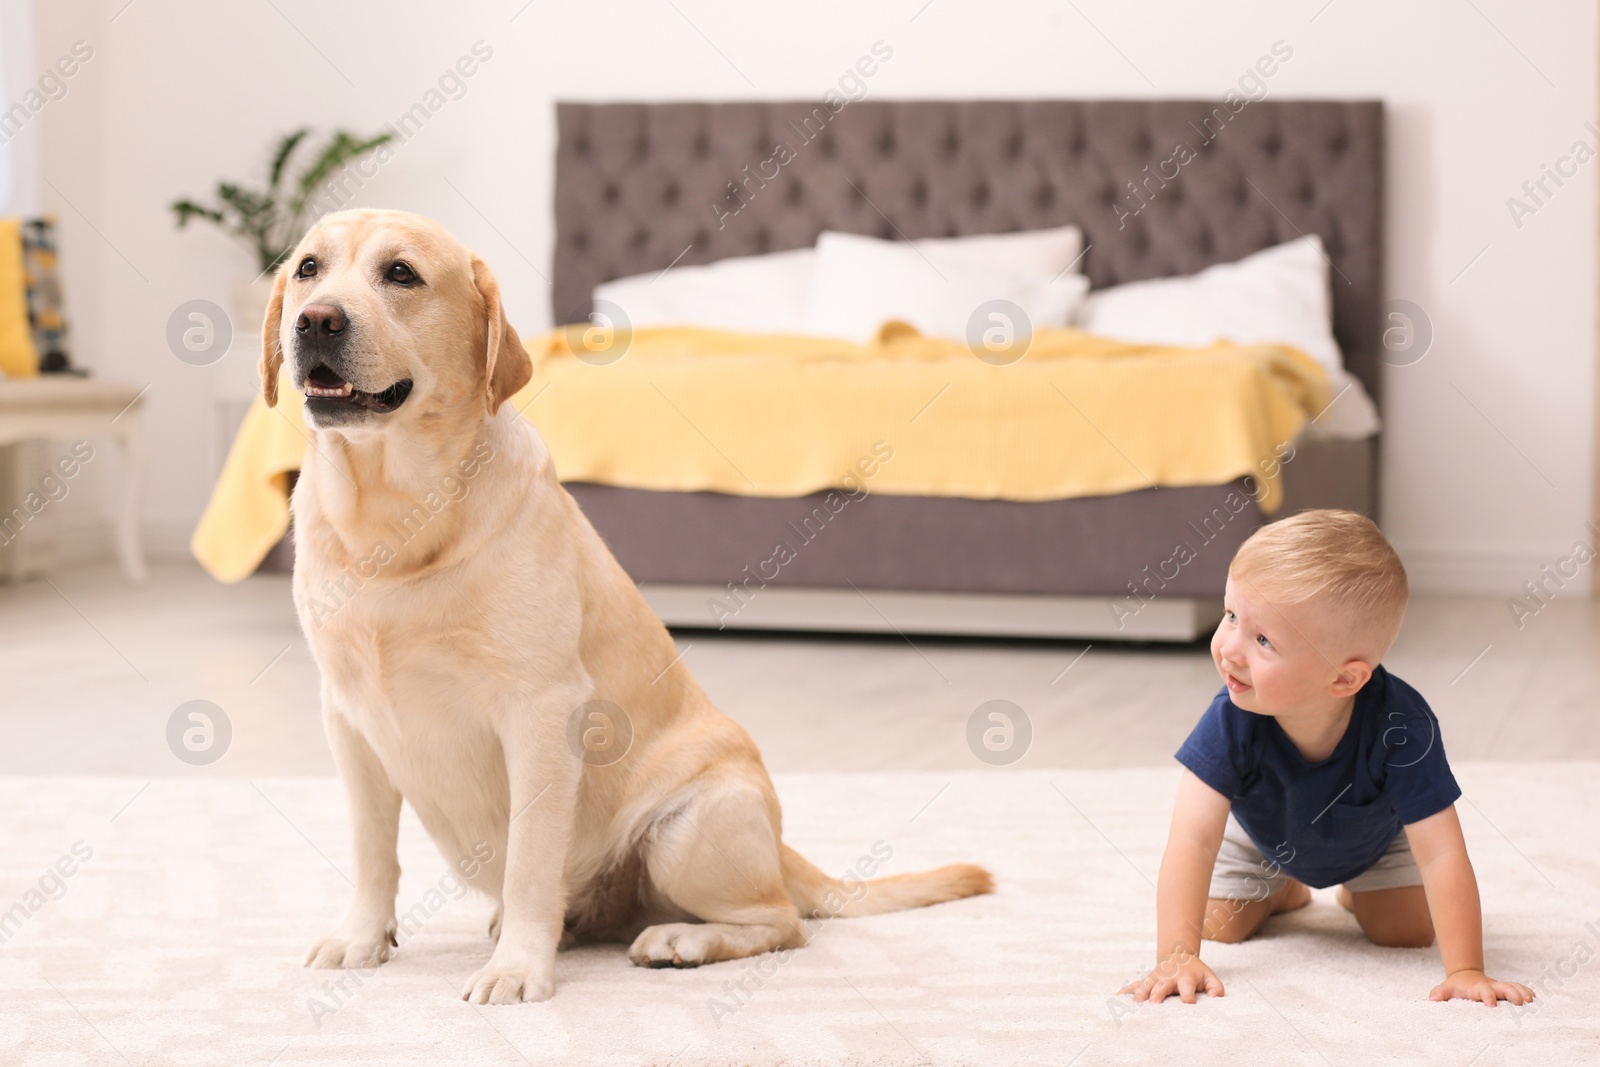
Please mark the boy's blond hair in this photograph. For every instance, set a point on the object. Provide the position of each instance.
(1337, 557)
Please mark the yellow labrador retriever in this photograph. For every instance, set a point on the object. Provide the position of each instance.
(485, 657)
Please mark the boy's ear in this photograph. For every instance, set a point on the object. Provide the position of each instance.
(1353, 675)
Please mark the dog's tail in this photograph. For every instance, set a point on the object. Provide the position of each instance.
(819, 895)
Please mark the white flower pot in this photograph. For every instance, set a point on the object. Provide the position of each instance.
(250, 305)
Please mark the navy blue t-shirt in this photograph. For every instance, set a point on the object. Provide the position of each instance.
(1326, 822)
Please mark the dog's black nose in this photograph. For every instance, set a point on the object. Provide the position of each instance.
(320, 321)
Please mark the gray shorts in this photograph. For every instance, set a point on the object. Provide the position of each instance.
(1243, 873)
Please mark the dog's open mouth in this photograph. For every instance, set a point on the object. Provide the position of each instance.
(323, 384)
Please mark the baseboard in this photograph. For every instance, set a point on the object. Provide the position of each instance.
(91, 540)
(1499, 572)
(961, 614)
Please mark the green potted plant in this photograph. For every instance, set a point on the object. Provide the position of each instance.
(272, 220)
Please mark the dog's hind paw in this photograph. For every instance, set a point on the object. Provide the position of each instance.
(671, 945)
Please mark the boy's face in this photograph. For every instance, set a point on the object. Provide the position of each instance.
(1268, 655)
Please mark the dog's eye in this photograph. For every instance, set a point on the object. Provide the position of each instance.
(401, 273)
(307, 268)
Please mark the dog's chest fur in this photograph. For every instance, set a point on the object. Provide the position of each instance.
(395, 667)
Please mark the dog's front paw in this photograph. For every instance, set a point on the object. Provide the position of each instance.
(359, 952)
(500, 983)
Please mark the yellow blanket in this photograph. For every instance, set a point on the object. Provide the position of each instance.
(693, 409)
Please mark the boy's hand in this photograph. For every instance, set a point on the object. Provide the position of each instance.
(1181, 974)
(1475, 985)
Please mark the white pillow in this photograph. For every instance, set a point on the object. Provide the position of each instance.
(749, 294)
(1047, 252)
(861, 282)
(1277, 294)
(767, 293)
(1350, 414)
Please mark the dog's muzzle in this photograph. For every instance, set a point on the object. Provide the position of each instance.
(321, 334)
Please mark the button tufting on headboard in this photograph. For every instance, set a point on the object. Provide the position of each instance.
(636, 183)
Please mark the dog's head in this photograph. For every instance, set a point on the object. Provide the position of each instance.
(383, 313)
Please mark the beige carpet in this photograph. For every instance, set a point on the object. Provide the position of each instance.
(178, 940)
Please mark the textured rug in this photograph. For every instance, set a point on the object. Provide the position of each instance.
(164, 922)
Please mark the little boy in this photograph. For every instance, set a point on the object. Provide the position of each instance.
(1323, 758)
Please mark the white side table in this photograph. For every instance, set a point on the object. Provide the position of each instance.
(66, 406)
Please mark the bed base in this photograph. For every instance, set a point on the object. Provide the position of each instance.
(709, 607)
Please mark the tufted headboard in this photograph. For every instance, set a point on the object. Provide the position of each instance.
(1159, 187)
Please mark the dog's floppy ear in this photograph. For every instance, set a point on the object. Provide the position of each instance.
(271, 349)
(506, 365)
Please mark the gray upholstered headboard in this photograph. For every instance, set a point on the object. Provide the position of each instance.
(640, 186)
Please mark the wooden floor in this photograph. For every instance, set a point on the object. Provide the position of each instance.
(93, 669)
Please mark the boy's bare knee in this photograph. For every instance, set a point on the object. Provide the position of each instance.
(1388, 930)
(1400, 936)
(1232, 921)
(1229, 933)
(1395, 918)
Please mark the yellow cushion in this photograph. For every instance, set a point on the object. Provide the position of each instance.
(18, 357)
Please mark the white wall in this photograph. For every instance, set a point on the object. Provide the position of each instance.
(181, 92)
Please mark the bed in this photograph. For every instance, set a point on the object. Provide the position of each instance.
(642, 187)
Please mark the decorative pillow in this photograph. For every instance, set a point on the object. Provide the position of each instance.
(862, 282)
(45, 316)
(18, 357)
(1278, 294)
(768, 293)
